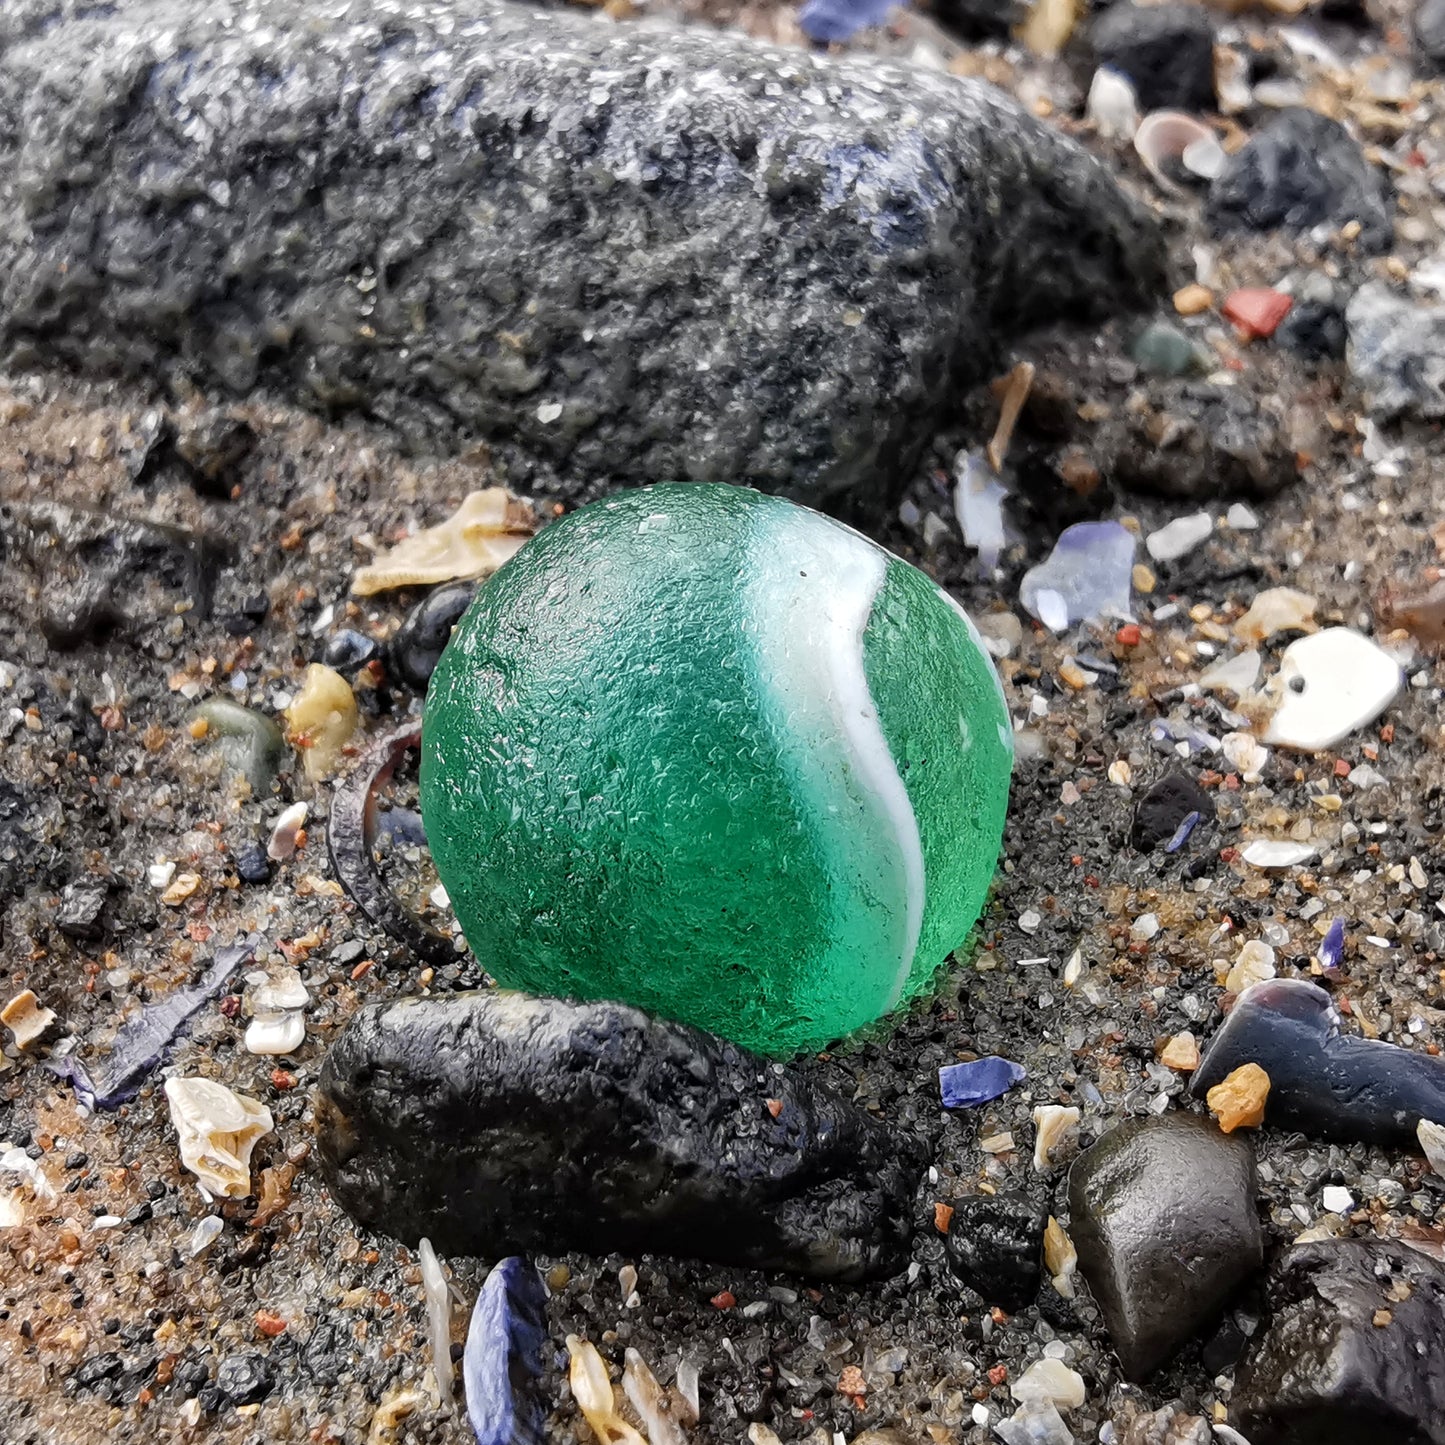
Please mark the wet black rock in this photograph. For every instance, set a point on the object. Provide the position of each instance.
(81, 904)
(995, 1245)
(1162, 1214)
(1167, 52)
(1397, 352)
(1315, 329)
(95, 1371)
(1161, 811)
(843, 246)
(1303, 170)
(1352, 1351)
(252, 865)
(976, 20)
(1322, 1081)
(496, 1123)
(244, 1379)
(417, 647)
(348, 651)
(1430, 30)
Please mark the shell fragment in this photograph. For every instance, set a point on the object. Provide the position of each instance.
(1328, 685)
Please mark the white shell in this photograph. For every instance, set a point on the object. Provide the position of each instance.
(1267, 853)
(1232, 674)
(1055, 1128)
(1166, 135)
(1328, 685)
(1113, 106)
(275, 1033)
(218, 1129)
(282, 844)
(1052, 1381)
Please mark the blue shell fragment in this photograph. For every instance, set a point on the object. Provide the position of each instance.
(832, 21)
(1182, 832)
(1323, 1082)
(503, 1359)
(964, 1085)
(1332, 946)
(141, 1044)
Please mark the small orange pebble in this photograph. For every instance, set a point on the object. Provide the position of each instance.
(270, 1324)
(1256, 310)
(362, 969)
(775, 1106)
(942, 1217)
(198, 728)
(1238, 1100)
(1387, 733)
(1342, 768)
(1192, 300)
(724, 1299)
(1128, 635)
(998, 1374)
(280, 1079)
(851, 1382)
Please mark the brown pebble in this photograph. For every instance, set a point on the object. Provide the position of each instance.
(1192, 300)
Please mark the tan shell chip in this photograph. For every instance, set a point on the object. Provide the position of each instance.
(26, 1018)
(487, 529)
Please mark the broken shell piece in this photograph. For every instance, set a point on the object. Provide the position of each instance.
(592, 1390)
(1244, 752)
(1169, 142)
(1232, 674)
(282, 990)
(1254, 964)
(218, 1129)
(1061, 1259)
(285, 832)
(321, 720)
(486, 530)
(1056, 1128)
(276, 1033)
(1048, 26)
(26, 1018)
(978, 501)
(1328, 685)
(1432, 1144)
(1276, 609)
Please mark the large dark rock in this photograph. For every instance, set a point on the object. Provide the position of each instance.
(1303, 170)
(1430, 31)
(1352, 1352)
(497, 1123)
(473, 220)
(995, 1246)
(1162, 1214)
(1322, 1081)
(1167, 52)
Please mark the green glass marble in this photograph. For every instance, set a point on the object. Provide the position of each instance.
(708, 752)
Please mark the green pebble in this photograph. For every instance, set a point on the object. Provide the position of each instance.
(1164, 350)
(250, 742)
(713, 754)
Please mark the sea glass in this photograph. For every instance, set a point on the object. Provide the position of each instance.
(710, 753)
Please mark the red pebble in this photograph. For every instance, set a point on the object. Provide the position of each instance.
(998, 1374)
(1128, 635)
(1257, 311)
(280, 1079)
(723, 1300)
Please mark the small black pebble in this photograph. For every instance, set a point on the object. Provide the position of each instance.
(156, 1189)
(139, 1214)
(252, 865)
(347, 650)
(78, 1160)
(244, 1379)
(1165, 806)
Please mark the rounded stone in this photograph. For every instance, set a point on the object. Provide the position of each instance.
(707, 752)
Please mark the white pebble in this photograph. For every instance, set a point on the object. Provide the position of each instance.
(1432, 1142)
(1337, 1200)
(1179, 537)
(1241, 518)
(1056, 1127)
(1328, 685)
(1051, 1381)
(1277, 853)
(281, 1033)
(284, 832)
(159, 875)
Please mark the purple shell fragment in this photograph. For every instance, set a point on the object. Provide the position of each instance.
(503, 1358)
(1087, 577)
(1323, 1082)
(831, 21)
(1332, 946)
(141, 1044)
(964, 1085)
